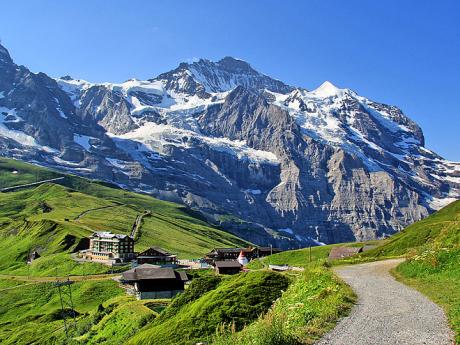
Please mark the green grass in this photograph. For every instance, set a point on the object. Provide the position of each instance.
(304, 257)
(46, 219)
(114, 322)
(237, 300)
(30, 313)
(308, 309)
(441, 227)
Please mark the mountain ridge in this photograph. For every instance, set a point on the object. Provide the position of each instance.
(325, 165)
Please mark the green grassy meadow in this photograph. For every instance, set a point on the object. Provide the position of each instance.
(54, 219)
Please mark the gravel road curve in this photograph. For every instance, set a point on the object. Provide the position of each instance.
(387, 312)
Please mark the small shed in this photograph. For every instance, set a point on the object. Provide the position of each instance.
(227, 267)
(156, 256)
(152, 282)
(344, 252)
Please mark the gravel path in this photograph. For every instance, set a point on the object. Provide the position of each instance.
(387, 312)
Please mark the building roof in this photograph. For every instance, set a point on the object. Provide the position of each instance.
(183, 275)
(344, 252)
(108, 235)
(232, 250)
(157, 249)
(153, 272)
(228, 264)
(269, 249)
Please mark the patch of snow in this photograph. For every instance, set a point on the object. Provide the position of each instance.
(65, 163)
(116, 163)
(383, 117)
(73, 88)
(2, 94)
(326, 90)
(287, 230)
(438, 203)
(155, 136)
(83, 141)
(299, 238)
(318, 242)
(58, 108)
(18, 136)
(254, 191)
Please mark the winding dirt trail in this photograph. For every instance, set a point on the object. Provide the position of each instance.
(387, 312)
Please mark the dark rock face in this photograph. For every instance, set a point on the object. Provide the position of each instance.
(267, 161)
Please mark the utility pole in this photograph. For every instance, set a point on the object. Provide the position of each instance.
(309, 253)
(67, 307)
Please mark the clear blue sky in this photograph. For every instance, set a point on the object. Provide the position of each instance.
(405, 53)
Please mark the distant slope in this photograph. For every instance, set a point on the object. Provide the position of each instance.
(54, 219)
(441, 229)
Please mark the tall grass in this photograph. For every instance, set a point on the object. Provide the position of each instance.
(309, 308)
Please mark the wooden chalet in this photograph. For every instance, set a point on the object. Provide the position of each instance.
(224, 254)
(153, 282)
(157, 256)
(260, 252)
(227, 267)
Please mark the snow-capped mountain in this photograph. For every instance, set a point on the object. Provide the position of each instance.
(261, 158)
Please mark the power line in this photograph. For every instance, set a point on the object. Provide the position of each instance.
(67, 307)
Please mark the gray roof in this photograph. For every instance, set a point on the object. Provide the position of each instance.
(232, 250)
(343, 252)
(228, 264)
(158, 249)
(153, 272)
(108, 234)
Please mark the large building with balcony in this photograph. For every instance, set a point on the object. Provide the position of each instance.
(109, 248)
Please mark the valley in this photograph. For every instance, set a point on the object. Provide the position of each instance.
(103, 308)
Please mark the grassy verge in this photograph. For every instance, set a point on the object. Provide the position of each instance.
(309, 308)
(304, 257)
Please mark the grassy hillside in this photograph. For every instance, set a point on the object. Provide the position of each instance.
(237, 300)
(309, 308)
(304, 257)
(53, 219)
(442, 228)
(29, 313)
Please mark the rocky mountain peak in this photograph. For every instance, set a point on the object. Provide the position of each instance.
(5, 55)
(233, 65)
(327, 89)
(325, 165)
(204, 77)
